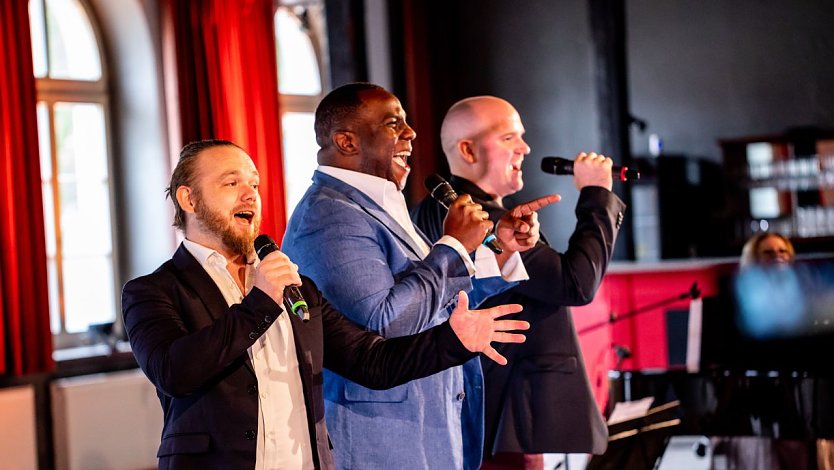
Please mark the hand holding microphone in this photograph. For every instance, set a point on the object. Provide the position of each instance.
(466, 221)
(276, 274)
(584, 171)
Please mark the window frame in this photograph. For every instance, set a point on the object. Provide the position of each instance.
(316, 31)
(50, 91)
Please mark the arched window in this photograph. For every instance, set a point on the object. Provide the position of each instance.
(73, 128)
(302, 72)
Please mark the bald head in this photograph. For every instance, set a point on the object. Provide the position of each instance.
(482, 140)
(469, 118)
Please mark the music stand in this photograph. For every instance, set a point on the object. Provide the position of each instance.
(638, 443)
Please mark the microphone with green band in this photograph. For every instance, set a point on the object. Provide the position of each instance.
(264, 245)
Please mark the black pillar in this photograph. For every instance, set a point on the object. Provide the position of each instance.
(611, 84)
(346, 41)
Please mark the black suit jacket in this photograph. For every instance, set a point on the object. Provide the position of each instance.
(542, 400)
(193, 347)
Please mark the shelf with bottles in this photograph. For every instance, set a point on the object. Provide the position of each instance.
(796, 174)
(803, 222)
(782, 183)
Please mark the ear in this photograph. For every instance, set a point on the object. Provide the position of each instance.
(346, 142)
(185, 200)
(466, 149)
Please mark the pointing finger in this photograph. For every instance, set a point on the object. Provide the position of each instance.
(530, 207)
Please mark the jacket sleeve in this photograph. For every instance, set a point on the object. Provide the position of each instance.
(573, 277)
(347, 254)
(178, 356)
(380, 363)
(565, 279)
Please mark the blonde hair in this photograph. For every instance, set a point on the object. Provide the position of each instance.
(750, 252)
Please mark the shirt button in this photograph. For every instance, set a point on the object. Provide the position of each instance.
(250, 434)
(264, 395)
(461, 396)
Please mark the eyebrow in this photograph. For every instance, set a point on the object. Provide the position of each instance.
(237, 173)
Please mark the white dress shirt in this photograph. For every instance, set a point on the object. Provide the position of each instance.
(283, 436)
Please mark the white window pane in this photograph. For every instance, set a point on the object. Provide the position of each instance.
(298, 69)
(73, 49)
(88, 292)
(85, 220)
(38, 32)
(80, 141)
(300, 150)
(44, 142)
(85, 215)
(49, 218)
(54, 296)
(83, 179)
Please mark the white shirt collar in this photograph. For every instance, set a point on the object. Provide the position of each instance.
(208, 256)
(380, 190)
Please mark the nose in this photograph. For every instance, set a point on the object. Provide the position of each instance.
(408, 133)
(250, 193)
(525, 149)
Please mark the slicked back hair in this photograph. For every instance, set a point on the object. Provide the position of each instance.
(185, 173)
(339, 107)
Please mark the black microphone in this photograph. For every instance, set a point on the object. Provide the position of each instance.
(563, 166)
(443, 193)
(264, 245)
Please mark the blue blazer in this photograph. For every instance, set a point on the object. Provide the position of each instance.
(370, 269)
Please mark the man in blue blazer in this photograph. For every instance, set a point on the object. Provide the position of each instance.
(238, 378)
(352, 235)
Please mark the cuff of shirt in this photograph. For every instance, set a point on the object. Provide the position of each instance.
(514, 269)
(487, 266)
(454, 244)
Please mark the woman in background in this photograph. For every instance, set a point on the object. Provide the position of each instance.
(767, 248)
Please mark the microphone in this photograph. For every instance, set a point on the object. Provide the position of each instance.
(264, 245)
(563, 166)
(443, 193)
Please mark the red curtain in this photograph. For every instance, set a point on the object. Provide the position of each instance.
(227, 83)
(25, 338)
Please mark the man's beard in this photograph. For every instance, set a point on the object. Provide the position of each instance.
(241, 244)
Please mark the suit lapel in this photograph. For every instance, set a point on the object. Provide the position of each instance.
(371, 208)
(195, 277)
